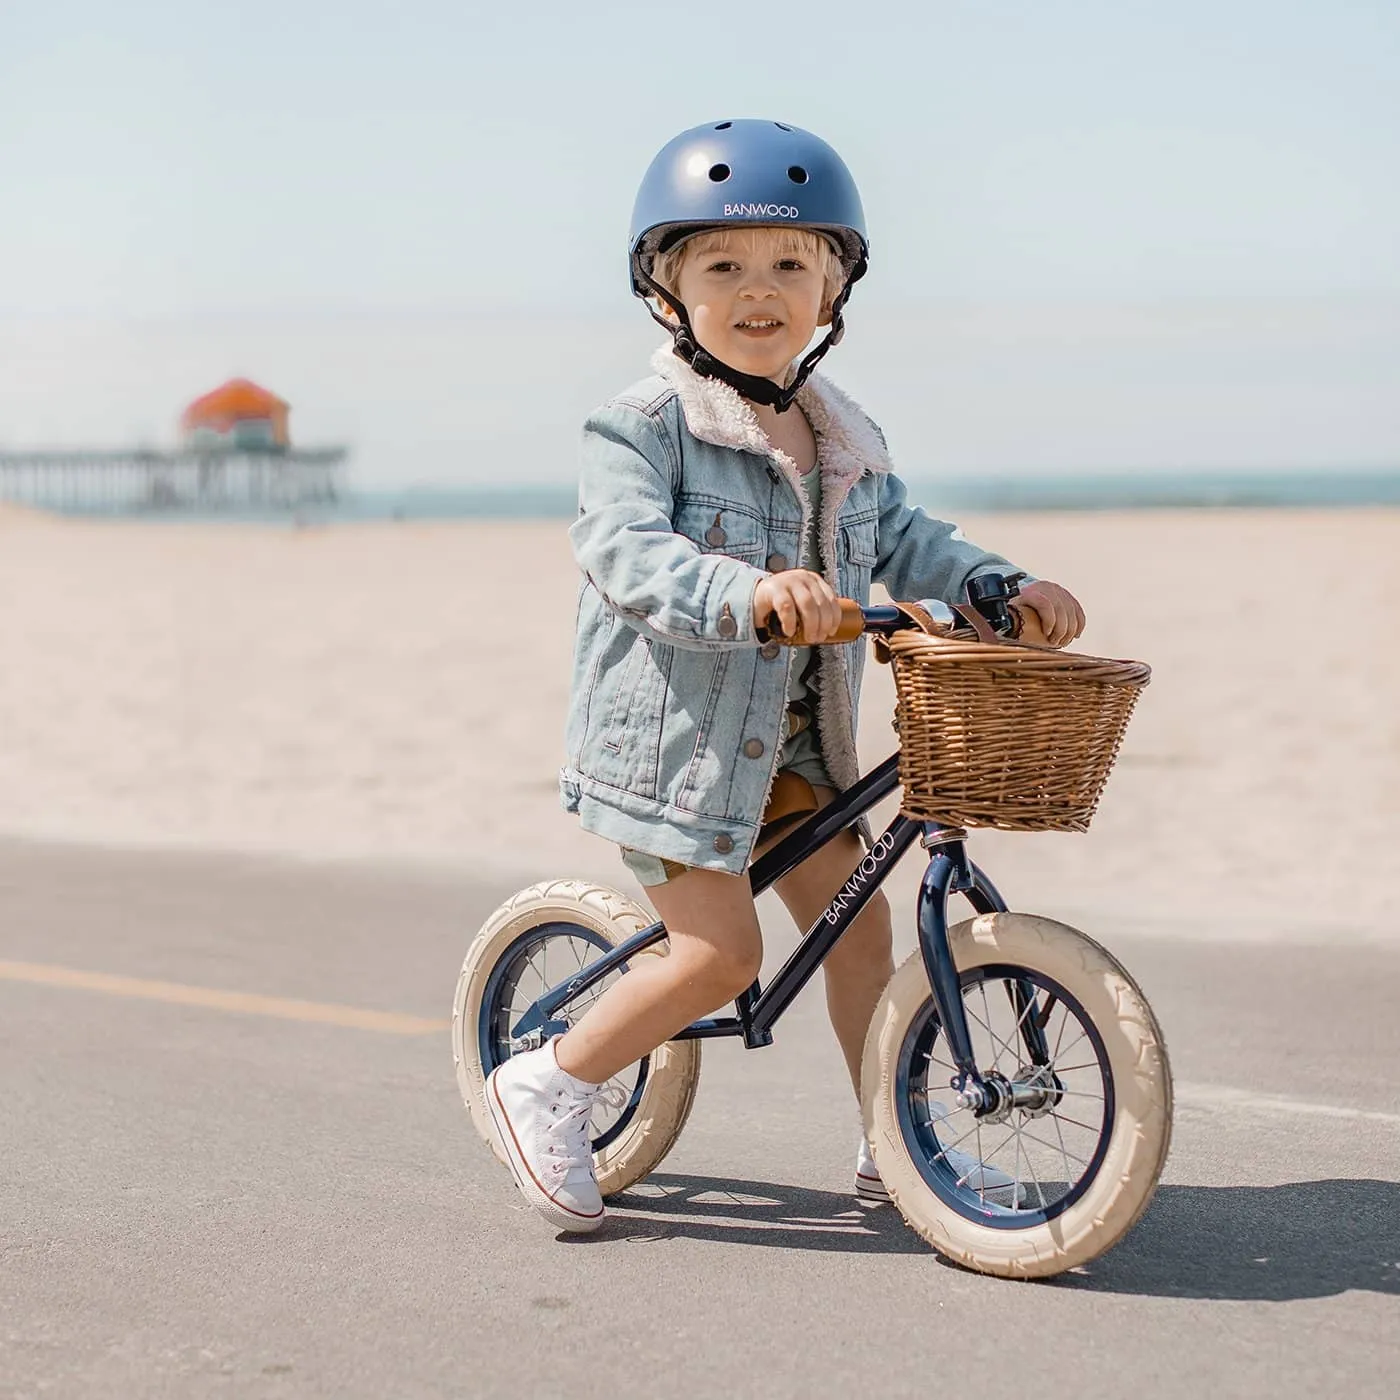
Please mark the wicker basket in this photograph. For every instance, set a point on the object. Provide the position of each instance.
(1007, 735)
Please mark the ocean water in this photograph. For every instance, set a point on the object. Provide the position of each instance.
(946, 497)
(1137, 491)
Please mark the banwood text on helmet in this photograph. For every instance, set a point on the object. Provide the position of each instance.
(745, 172)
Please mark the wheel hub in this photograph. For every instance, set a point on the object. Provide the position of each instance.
(1035, 1091)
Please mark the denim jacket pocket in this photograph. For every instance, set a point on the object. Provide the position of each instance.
(629, 743)
(717, 526)
(859, 554)
(626, 688)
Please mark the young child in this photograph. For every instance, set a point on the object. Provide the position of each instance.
(729, 486)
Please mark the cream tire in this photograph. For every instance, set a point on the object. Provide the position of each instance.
(672, 1072)
(1139, 1135)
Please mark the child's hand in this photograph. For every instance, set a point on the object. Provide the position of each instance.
(805, 603)
(1050, 614)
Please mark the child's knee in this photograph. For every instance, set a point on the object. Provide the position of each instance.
(723, 971)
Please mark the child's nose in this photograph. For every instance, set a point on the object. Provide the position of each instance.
(757, 287)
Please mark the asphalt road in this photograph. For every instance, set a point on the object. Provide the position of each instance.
(211, 1192)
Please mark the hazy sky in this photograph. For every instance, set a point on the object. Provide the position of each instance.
(1104, 234)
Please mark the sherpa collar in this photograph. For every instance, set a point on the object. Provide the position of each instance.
(848, 446)
(715, 412)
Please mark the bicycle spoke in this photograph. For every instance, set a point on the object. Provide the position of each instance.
(982, 1176)
(947, 1147)
(1059, 1118)
(996, 1054)
(950, 1113)
(981, 1159)
(1016, 1183)
(998, 1044)
(1026, 1010)
(1064, 1151)
(1039, 1190)
(1068, 1155)
(1083, 1035)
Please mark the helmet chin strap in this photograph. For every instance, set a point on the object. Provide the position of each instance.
(754, 387)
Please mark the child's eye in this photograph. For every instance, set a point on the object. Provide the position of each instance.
(724, 265)
(790, 265)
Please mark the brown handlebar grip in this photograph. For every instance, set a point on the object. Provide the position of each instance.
(852, 622)
(851, 626)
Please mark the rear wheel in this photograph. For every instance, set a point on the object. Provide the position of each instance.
(532, 943)
(1072, 1155)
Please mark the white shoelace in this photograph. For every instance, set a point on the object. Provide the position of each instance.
(570, 1148)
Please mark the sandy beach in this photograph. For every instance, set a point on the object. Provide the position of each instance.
(396, 692)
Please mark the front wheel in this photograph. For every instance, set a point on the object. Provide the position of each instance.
(529, 945)
(1069, 1159)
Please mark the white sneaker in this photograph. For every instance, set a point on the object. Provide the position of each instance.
(869, 1187)
(541, 1115)
(971, 1172)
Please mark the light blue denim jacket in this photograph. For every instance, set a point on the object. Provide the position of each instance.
(677, 714)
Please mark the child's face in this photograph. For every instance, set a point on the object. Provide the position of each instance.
(755, 300)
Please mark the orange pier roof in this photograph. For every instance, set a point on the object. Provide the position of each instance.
(235, 402)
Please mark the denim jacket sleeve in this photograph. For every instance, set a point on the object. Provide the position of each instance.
(658, 581)
(919, 557)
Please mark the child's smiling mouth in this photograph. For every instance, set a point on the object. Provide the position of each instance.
(759, 326)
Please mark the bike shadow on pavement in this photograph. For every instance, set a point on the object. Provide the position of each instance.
(1303, 1239)
(735, 1211)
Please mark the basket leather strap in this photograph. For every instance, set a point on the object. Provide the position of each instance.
(979, 624)
(921, 618)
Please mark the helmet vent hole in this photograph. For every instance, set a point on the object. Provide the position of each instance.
(719, 173)
(797, 175)
(782, 126)
(723, 126)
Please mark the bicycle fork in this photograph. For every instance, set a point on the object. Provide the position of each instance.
(949, 872)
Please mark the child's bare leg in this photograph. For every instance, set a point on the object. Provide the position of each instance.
(716, 951)
(860, 965)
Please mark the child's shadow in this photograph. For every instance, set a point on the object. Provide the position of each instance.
(1305, 1239)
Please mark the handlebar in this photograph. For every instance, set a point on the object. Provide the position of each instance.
(855, 622)
(988, 595)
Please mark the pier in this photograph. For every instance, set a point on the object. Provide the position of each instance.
(188, 478)
(235, 454)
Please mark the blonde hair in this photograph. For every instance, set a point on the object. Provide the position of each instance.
(803, 243)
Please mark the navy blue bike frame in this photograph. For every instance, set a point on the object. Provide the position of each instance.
(758, 1008)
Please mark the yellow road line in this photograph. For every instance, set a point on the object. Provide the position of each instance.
(246, 1003)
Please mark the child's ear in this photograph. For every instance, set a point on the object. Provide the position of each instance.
(824, 317)
(667, 310)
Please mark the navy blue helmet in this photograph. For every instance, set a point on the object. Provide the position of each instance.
(732, 173)
(745, 172)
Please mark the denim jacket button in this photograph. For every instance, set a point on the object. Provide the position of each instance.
(724, 844)
(769, 651)
(753, 748)
(726, 626)
(777, 563)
